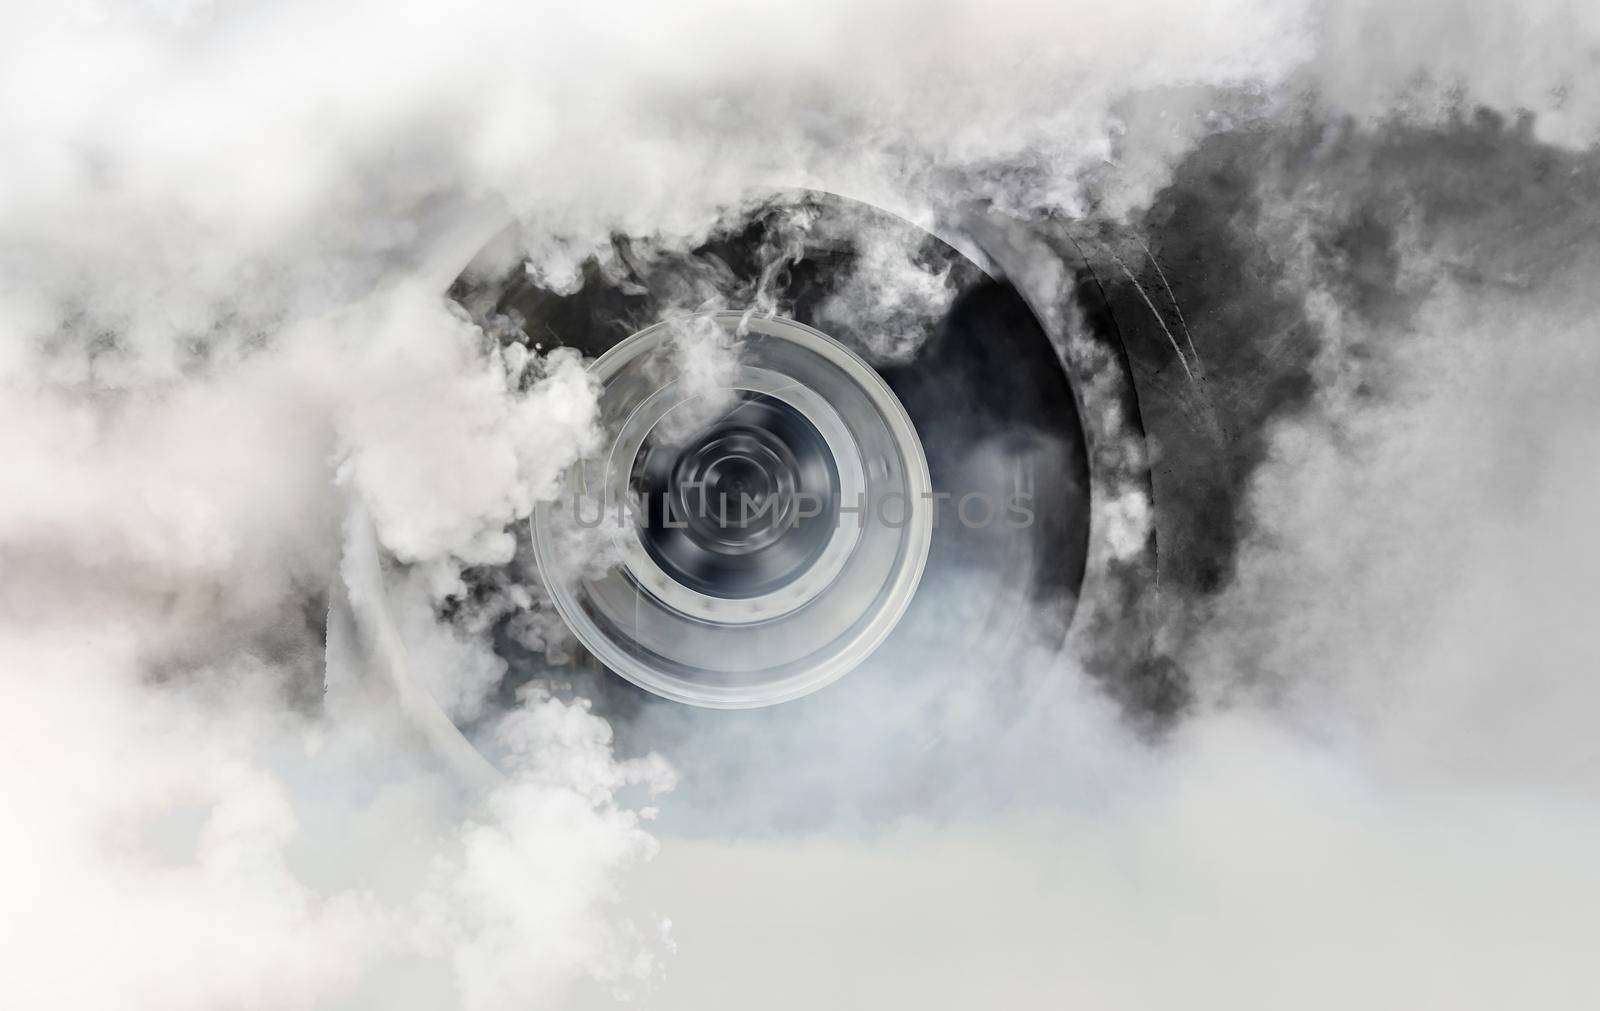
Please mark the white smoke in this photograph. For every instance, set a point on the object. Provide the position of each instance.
(223, 228)
(1387, 793)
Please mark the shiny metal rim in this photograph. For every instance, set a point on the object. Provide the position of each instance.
(712, 651)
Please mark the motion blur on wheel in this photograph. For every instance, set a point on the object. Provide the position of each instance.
(833, 445)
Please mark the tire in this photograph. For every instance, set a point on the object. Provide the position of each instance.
(1012, 377)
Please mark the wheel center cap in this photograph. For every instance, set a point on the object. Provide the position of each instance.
(743, 507)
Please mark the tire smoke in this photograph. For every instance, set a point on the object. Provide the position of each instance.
(225, 231)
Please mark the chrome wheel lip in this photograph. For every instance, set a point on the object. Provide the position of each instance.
(844, 651)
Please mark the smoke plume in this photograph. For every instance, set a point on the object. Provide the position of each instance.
(226, 229)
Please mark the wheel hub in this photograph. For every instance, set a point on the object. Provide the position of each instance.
(745, 506)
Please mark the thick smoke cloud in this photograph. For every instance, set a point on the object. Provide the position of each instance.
(223, 231)
(1384, 792)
